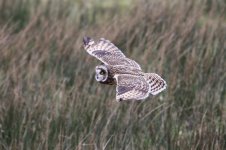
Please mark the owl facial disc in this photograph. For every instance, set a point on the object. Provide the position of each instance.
(101, 73)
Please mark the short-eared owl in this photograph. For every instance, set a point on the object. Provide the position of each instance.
(131, 82)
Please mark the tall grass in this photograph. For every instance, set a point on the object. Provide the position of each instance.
(49, 98)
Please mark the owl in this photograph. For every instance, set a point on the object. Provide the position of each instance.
(131, 82)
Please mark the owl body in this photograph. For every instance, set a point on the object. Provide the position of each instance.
(131, 82)
(111, 71)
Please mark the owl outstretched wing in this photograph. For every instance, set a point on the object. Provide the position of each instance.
(156, 83)
(131, 87)
(108, 53)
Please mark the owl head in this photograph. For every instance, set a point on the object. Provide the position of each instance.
(87, 41)
(101, 73)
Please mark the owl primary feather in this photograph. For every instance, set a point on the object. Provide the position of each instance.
(131, 82)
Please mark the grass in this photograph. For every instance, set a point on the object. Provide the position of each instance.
(49, 98)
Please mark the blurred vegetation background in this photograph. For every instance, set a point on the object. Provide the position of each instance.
(49, 98)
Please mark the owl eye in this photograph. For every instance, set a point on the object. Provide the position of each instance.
(102, 72)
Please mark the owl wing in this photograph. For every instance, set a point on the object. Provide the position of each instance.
(156, 83)
(131, 87)
(108, 53)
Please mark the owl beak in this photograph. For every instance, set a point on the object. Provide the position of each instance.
(86, 40)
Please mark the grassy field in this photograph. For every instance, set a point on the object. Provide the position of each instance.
(49, 98)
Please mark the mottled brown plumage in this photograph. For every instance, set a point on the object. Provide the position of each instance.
(131, 82)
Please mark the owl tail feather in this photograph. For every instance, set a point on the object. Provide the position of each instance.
(156, 83)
